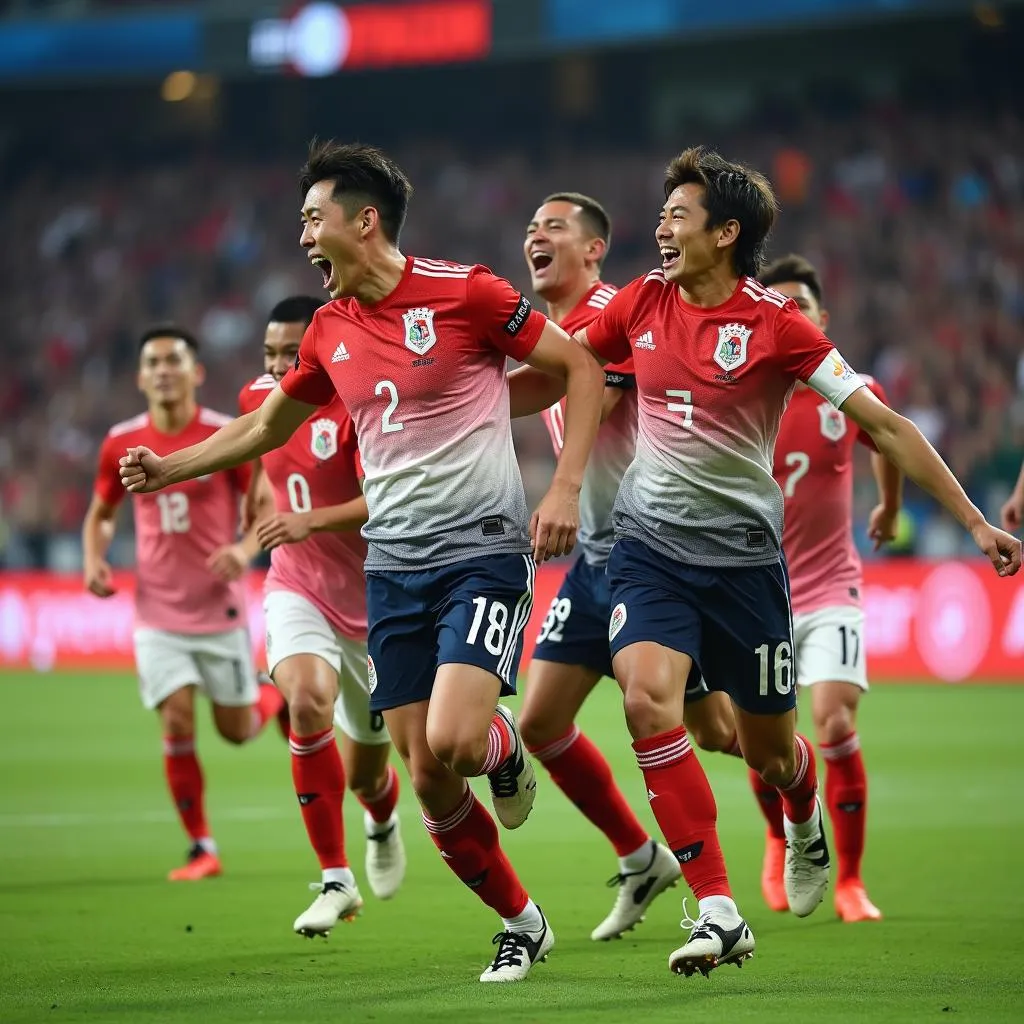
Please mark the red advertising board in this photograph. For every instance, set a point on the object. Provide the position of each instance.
(953, 621)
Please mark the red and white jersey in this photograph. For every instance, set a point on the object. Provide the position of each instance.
(422, 374)
(177, 529)
(814, 468)
(712, 384)
(317, 467)
(614, 445)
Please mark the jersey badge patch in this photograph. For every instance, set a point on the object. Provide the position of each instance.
(833, 422)
(324, 442)
(731, 350)
(419, 329)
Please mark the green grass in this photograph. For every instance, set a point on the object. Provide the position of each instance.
(90, 931)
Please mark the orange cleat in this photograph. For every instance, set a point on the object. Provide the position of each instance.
(852, 903)
(201, 864)
(772, 888)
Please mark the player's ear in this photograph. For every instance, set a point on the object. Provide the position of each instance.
(824, 317)
(728, 233)
(369, 218)
(199, 374)
(596, 249)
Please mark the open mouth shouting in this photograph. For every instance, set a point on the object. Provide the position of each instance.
(324, 265)
(670, 257)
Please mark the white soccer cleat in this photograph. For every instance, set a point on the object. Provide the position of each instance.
(715, 939)
(513, 782)
(385, 858)
(517, 953)
(335, 903)
(807, 864)
(637, 891)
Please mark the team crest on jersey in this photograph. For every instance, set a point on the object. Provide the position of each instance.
(324, 442)
(617, 621)
(731, 350)
(833, 422)
(371, 674)
(419, 329)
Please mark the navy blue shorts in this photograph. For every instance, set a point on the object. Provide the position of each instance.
(733, 622)
(473, 612)
(575, 631)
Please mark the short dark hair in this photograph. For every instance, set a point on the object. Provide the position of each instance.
(169, 330)
(793, 268)
(363, 176)
(732, 192)
(296, 309)
(593, 213)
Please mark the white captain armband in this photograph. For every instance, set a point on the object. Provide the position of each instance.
(835, 380)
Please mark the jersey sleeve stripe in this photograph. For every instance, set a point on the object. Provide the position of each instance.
(264, 383)
(457, 275)
(656, 275)
(135, 423)
(774, 298)
(212, 418)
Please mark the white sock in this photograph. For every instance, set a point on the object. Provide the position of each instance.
(805, 829)
(722, 904)
(639, 859)
(376, 828)
(208, 845)
(343, 876)
(529, 921)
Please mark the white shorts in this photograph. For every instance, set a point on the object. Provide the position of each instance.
(830, 646)
(220, 664)
(296, 626)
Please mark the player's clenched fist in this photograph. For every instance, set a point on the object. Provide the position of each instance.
(554, 524)
(142, 470)
(1003, 550)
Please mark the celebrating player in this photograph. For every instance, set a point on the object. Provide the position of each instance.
(566, 243)
(417, 351)
(315, 609)
(697, 575)
(189, 604)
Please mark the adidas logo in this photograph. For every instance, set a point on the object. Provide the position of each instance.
(340, 353)
(646, 340)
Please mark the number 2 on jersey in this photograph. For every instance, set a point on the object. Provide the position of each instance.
(387, 424)
(799, 463)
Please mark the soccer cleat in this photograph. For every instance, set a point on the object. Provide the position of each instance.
(517, 953)
(513, 783)
(773, 888)
(715, 939)
(385, 858)
(200, 864)
(852, 903)
(637, 890)
(806, 871)
(335, 902)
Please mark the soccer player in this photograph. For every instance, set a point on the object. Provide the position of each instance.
(697, 575)
(190, 630)
(315, 611)
(566, 243)
(417, 351)
(1012, 512)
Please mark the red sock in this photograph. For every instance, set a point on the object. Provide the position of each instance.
(846, 794)
(267, 706)
(468, 841)
(499, 744)
(770, 802)
(319, 779)
(798, 796)
(382, 805)
(581, 772)
(185, 780)
(684, 805)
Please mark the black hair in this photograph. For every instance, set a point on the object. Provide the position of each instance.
(296, 309)
(169, 330)
(793, 268)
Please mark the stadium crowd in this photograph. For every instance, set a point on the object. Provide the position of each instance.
(916, 221)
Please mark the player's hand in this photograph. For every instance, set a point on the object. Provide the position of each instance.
(882, 525)
(142, 471)
(553, 526)
(1012, 513)
(99, 579)
(228, 563)
(1002, 549)
(283, 528)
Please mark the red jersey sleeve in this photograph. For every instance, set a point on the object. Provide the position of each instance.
(501, 315)
(879, 392)
(108, 487)
(608, 332)
(307, 381)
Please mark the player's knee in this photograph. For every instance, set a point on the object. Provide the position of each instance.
(428, 778)
(459, 752)
(776, 769)
(366, 782)
(236, 729)
(310, 710)
(712, 735)
(537, 730)
(177, 719)
(646, 713)
(834, 723)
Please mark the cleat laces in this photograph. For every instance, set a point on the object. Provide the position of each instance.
(699, 929)
(511, 948)
(504, 779)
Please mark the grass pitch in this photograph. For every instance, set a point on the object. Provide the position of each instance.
(90, 931)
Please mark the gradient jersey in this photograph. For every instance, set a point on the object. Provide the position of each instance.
(422, 373)
(712, 384)
(614, 446)
(316, 467)
(814, 468)
(177, 529)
